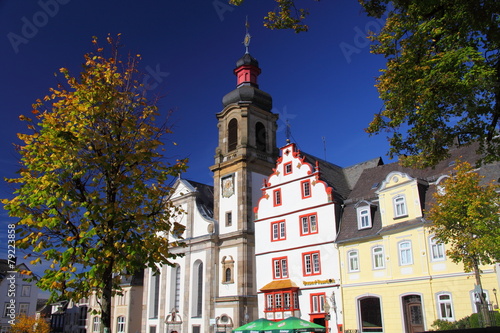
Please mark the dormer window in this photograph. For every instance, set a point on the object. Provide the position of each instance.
(400, 206)
(364, 217)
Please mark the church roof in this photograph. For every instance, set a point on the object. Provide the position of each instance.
(205, 198)
(249, 94)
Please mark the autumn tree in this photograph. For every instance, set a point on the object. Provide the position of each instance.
(285, 15)
(25, 324)
(91, 190)
(466, 217)
(441, 84)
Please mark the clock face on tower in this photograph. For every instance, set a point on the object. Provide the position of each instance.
(227, 186)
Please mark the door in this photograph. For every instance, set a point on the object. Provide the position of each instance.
(412, 308)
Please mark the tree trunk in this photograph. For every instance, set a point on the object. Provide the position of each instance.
(483, 306)
(107, 293)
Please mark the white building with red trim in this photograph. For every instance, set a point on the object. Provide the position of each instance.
(297, 220)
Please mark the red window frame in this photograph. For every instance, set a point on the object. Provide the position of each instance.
(277, 300)
(277, 199)
(308, 228)
(309, 262)
(280, 231)
(278, 271)
(306, 185)
(285, 167)
(317, 302)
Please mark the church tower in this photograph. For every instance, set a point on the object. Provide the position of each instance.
(245, 156)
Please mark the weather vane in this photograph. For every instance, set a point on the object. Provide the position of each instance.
(246, 41)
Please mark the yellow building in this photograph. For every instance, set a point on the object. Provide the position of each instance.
(395, 276)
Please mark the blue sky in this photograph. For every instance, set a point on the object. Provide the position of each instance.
(321, 81)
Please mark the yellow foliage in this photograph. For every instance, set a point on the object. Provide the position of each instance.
(26, 324)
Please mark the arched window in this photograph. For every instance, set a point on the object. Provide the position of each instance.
(445, 306)
(260, 136)
(120, 324)
(154, 295)
(96, 324)
(370, 314)
(198, 289)
(175, 288)
(232, 135)
(227, 269)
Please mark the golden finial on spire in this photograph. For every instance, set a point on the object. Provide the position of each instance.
(246, 41)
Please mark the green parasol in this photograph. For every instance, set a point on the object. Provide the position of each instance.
(256, 326)
(293, 325)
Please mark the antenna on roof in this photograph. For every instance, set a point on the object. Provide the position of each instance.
(287, 132)
(324, 146)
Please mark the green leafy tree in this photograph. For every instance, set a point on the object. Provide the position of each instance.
(92, 188)
(286, 15)
(466, 217)
(441, 84)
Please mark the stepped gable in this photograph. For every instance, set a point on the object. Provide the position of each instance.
(332, 174)
(204, 199)
(370, 180)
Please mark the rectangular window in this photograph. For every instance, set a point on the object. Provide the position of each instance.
(318, 303)
(280, 268)
(306, 189)
(24, 308)
(229, 219)
(278, 231)
(400, 206)
(287, 301)
(437, 250)
(270, 302)
(26, 291)
(277, 299)
(288, 168)
(277, 197)
(364, 218)
(405, 255)
(308, 224)
(353, 259)
(311, 263)
(378, 257)
(445, 307)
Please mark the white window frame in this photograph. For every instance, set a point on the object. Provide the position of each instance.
(24, 308)
(378, 257)
(318, 303)
(445, 305)
(311, 262)
(278, 230)
(120, 324)
(437, 249)
(26, 290)
(353, 261)
(364, 217)
(309, 224)
(96, 324)
(400, 208)
(405, 253)
(280, 266)
(474, 298)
